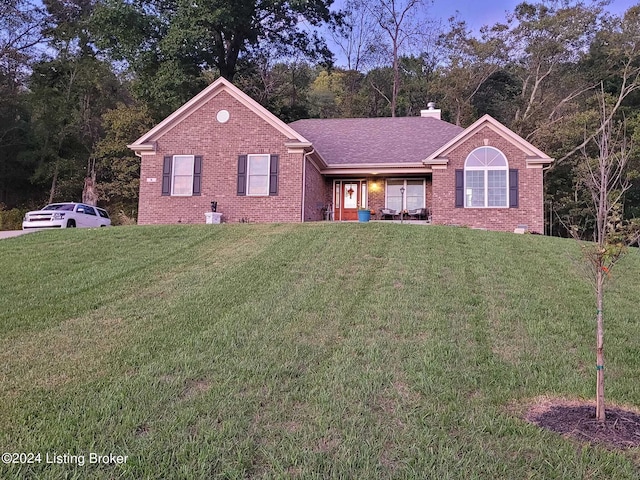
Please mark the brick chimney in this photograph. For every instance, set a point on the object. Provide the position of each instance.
(431, 111)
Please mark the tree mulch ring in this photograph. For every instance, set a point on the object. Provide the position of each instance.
(577, 420)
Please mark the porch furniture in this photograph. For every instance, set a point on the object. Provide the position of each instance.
(328, 212)
(388, 212)
(418, 213)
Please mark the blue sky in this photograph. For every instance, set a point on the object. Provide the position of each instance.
(478, 13)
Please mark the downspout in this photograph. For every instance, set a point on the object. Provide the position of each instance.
(544, 209)
(139, 155)
(304, 180)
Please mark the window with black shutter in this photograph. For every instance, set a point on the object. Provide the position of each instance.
(459, 188)
(197, 175)
(166, 175)
(258, 174)
(273, 175)
(242, 175)
(182, 175)
(513, 188)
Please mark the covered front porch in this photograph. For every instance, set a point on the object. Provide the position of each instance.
(401, 199)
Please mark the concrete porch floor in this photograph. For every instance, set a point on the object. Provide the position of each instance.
(404, 222)
(408, 222)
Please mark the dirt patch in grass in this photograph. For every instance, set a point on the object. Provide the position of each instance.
(194, 388)
(577, 420)
(387, 457)
(329, 443)
(142, 430)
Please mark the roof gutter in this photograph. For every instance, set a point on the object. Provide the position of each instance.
(382, 169)
(142, 147)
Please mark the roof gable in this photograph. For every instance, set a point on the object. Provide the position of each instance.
(147, 141)
(533, 154)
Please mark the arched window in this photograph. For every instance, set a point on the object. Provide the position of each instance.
(486, 179)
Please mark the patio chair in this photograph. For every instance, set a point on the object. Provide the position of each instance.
(418, 213)
(388, 212)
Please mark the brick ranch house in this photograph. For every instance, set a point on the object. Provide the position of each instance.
(223, 146)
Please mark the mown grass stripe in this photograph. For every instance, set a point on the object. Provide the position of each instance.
(305, 351)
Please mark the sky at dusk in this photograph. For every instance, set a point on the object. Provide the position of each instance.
(477, 13)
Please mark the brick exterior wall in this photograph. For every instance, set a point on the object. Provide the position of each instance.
(220, 144)
(318, 193)
(530, 199)
(375, 189)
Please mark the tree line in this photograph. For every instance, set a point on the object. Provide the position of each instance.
(81, 79)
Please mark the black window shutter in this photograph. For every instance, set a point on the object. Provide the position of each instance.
(242, 175)
(273, 175)
(459, 188)
(513, 188)
(166, 175)
(197, 175)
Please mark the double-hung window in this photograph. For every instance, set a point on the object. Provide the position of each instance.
(182, 179)
(181, 175)
(258, 175)
(486, 179)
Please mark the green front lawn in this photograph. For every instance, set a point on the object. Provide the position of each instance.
(305, 351)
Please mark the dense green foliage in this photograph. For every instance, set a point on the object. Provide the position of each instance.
(308, 351)
(80, 79)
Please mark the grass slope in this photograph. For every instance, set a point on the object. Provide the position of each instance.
(304, 351)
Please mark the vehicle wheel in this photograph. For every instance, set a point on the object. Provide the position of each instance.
(71, 224)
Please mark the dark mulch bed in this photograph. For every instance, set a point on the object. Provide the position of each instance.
(578, 420)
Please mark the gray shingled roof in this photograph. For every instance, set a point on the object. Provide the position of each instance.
(376, 140)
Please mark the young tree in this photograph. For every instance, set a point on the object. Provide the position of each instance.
(607, 179)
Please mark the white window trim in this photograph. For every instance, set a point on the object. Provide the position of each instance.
(249, 194)
(486, 169)
(173, 175)
(404, 196)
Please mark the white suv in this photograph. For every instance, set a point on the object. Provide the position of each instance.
(66, 215)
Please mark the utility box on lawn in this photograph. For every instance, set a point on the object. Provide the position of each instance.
(213, 217)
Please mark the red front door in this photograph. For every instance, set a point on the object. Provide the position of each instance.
(349, 195)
